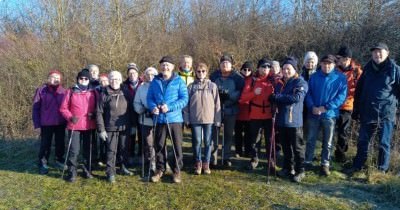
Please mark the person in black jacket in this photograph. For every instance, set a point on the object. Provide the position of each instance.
(114, 121)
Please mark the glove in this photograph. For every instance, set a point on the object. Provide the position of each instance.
(133, 131)
(103, 135)
(271, 98)
(74, 119)
(223, 95)
(355, 115)
(217, 124)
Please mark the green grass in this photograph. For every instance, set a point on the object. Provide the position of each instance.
(21, 187)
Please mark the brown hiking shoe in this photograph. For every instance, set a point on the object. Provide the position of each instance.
(197, 168)
(157, 176)
(206, 168)
(176, 177)
(325, 171)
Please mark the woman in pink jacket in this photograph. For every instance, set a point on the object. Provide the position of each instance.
(78, 108)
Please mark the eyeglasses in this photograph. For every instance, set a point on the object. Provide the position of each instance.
(265, 66)
(246, 69)
(83, 78)
(201, 71)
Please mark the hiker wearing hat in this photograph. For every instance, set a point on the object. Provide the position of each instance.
(352, 70)
(230, 85)
(78, 108)
(132, 83)
(310, 64)
(202, 112)
(114, 118)
(256, 93)
(327, 89)
(146, 119)
(289, 120)
(242, 125)
(47, 117)
(186, 69)
(166, 98)
(375, 105)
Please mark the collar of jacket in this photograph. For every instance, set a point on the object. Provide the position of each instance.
(186, 74)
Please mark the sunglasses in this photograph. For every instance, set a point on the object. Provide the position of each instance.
(201, 71)
(246, 69)
(265, 66)
(83, 78)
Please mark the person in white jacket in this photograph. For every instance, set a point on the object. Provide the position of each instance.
(145, 118)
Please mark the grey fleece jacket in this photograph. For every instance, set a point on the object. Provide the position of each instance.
(204, 105)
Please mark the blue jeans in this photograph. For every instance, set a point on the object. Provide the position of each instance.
(327, 126)
(197, 140)
(384, 134)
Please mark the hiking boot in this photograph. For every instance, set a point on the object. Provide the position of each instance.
(157, 176)
(43, 169)
(176, 177)
(71, 177)
(325, 171)
(298, 177)
(350, 171)
(286, 173)
(253, 164)
(86, 173)
(197, 168)
(125, 171)
(206, 168)
(111, 179)
(168, 169)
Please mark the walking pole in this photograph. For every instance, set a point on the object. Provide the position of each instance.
(172, 141)
(272, 155)
(90, 154)
(154, 135)
(66, 157)
(223, 135)
(141, 137)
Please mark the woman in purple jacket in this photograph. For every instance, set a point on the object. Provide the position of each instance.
(46, 116)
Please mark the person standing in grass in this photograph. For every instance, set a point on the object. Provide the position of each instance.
(146, 119)
(47, 117)
(114, 119)
(327, 89)
(104, 82)
(132, 83)
(78, 108)
(349, 67)
(230, 85)
(242, 125)
(166, 98)
(375, 104)
(289, 101)
(256, 93)
(202, 112)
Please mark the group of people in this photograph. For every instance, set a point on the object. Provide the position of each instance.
(273, 100)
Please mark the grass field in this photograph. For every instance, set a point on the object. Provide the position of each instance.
(21, 187)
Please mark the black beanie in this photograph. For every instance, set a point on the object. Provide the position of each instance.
(247, 65)
(292, 61)
(346, 52)
(167, 58)
(226, 57)
(83, 73)
(263, 61)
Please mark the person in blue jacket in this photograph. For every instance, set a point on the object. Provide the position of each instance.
(327, 90)
(375, 104)
(289, 101)
(166, 98)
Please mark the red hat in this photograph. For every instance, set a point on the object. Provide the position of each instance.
(55, 71)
